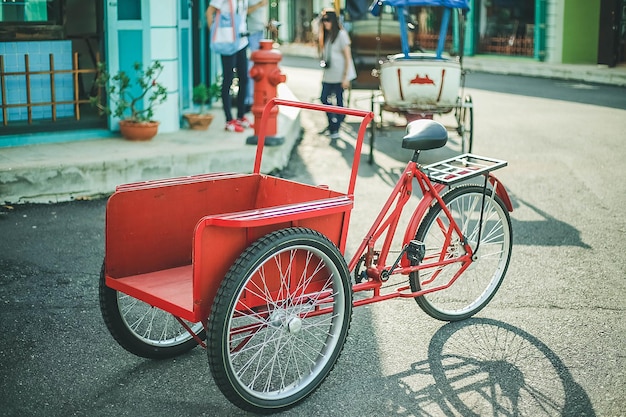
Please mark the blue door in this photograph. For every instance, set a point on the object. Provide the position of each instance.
(127, 37)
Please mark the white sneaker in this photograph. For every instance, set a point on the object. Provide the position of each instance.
(233, 126)
(245, 123)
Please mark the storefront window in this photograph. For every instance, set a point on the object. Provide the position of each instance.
(507, 27)
(129, 10)
(184, 9)
(24, 10)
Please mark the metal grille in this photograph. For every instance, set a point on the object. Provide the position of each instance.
(29, 103)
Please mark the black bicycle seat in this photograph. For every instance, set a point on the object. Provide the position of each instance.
(424, 134)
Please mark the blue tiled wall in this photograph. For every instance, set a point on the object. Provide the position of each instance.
(39, 60)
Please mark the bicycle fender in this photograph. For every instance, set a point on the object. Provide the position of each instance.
(501, 192)
(427, 202)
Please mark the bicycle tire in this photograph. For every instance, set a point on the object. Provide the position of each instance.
(142, 329)
(269, 355)
(478, 284)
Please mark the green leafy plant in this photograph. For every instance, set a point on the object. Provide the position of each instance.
(204, 95)
(124, 98)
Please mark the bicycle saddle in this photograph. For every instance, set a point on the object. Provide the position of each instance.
(424, 134)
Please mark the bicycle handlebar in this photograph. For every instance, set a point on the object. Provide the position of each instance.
(366, 115)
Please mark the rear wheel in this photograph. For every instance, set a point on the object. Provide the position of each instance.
(279, 320)
(144, 330)
(480, 281)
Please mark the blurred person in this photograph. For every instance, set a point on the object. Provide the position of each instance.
(336, 61)
(257, 22)
(238, 61)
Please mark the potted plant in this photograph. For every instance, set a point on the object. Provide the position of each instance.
(203, 95)
(133, 101)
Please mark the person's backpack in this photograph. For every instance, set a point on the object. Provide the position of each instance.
(224, 32)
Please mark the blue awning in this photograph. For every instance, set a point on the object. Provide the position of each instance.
(377, 5)
(456, 4)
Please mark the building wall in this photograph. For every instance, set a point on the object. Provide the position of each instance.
(554, 30)
(581, 20)
(164, 48)
(572, 28)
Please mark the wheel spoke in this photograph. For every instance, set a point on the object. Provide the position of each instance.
(476, 285)
(142, 329)
(284, 311)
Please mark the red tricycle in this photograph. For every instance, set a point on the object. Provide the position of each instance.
(251, 266)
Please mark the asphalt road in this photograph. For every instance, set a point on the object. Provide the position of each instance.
(550, 343)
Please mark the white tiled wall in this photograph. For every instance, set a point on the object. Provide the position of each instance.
(554, 30)
(164, 47)
(163, 13)
(168, 112)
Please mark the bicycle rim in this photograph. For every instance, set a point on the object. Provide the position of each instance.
(478, 283)
(280, 322)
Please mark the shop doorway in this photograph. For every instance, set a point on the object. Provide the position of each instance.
(612, 35)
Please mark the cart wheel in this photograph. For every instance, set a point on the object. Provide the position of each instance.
(144, 330)
(279, 320)
(466, 125)
(480, 281)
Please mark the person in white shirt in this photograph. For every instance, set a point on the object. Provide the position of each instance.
(337, 64)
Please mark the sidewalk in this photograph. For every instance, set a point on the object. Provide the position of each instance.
(51, 173)
(58, 172)
(600, 74)
(497, 64)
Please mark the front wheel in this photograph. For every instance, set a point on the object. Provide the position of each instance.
(480, 281)
(144, 330)
(279, 320)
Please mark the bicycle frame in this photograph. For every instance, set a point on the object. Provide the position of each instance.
(386, 223)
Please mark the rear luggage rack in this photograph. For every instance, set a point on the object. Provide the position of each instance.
(459, 168)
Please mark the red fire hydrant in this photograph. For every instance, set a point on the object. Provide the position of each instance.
(266, 76)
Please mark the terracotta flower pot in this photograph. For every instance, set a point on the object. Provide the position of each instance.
(138, 130)
(198, 121)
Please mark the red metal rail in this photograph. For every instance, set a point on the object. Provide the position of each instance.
(366, 115)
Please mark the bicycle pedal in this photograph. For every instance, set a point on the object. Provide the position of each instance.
(415, 251)
(362, 276)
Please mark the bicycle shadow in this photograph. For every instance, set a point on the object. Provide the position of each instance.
(487, 367)
(536, 227)
(531, 225)
(344, 148)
